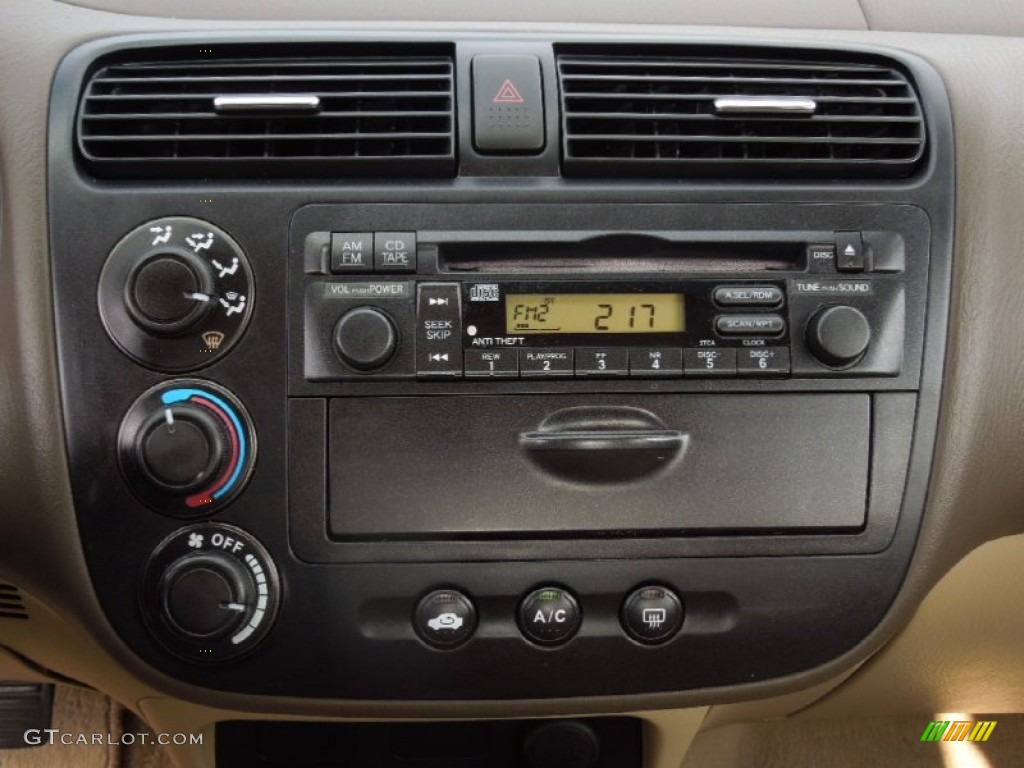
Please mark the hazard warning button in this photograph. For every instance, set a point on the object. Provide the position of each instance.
(508, 104)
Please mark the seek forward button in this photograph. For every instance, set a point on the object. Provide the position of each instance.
(438, 331)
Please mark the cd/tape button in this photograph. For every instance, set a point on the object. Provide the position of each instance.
(539, 363)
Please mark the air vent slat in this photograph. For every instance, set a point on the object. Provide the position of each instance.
(374, 114)
(655, 115)
(12, 606)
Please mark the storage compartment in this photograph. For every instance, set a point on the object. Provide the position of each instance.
(551, 466)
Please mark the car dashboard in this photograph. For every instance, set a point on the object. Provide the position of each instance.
(559, 390)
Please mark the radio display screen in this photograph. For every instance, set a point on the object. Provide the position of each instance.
(595, 313)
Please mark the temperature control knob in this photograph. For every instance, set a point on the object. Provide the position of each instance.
(210, 592)
(838, 336)
(176, 293)
(187, 447)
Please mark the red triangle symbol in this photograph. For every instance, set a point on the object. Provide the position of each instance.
(508, 94)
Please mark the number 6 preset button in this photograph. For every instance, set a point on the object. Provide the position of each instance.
(539, 363)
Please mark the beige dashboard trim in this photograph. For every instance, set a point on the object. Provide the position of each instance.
(977, 489)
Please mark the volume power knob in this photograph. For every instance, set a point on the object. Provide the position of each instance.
(365, 338)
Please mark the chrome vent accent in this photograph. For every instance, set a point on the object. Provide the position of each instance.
(11, 604)
(372, 114)
(675, 115)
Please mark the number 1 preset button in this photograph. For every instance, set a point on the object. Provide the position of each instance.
(540, 363)
(492, 363)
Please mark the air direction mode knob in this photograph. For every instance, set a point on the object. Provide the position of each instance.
(160, 293)
(176, 293)
(838, 336)
(187, 447)
(210, 592)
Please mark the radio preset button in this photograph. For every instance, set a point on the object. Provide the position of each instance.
(656, 361)
(762, 361)
(492, 363)
(750, 325)
(709, 361)
(595, 363)
(748, 296)
(394, 252)
(438, 330)
(539, 363)
(351, 253)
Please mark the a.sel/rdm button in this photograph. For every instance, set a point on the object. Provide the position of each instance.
(445, 618)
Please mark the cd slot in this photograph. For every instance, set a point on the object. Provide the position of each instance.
(617, 253)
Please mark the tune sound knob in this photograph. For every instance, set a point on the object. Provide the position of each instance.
(838, 336)
(210, 592)
(187, 447)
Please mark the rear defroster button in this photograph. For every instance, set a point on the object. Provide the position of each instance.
(445, 618)
(652, 615)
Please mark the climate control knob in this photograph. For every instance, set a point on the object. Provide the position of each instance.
(839, 335)
(160, 291)
(210, 592)
(176, 293)
(187, 447)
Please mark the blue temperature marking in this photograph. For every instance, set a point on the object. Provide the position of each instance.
(172, 396)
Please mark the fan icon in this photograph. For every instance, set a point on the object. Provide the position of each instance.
(195, 540)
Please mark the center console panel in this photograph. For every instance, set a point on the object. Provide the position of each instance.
(508, 434)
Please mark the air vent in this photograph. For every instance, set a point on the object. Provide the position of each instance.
(386, 115)
(732, 117)
(11, 604)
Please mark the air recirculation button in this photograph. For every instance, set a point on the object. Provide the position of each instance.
(187, 447)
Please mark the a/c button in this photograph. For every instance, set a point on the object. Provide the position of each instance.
(549, 616)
